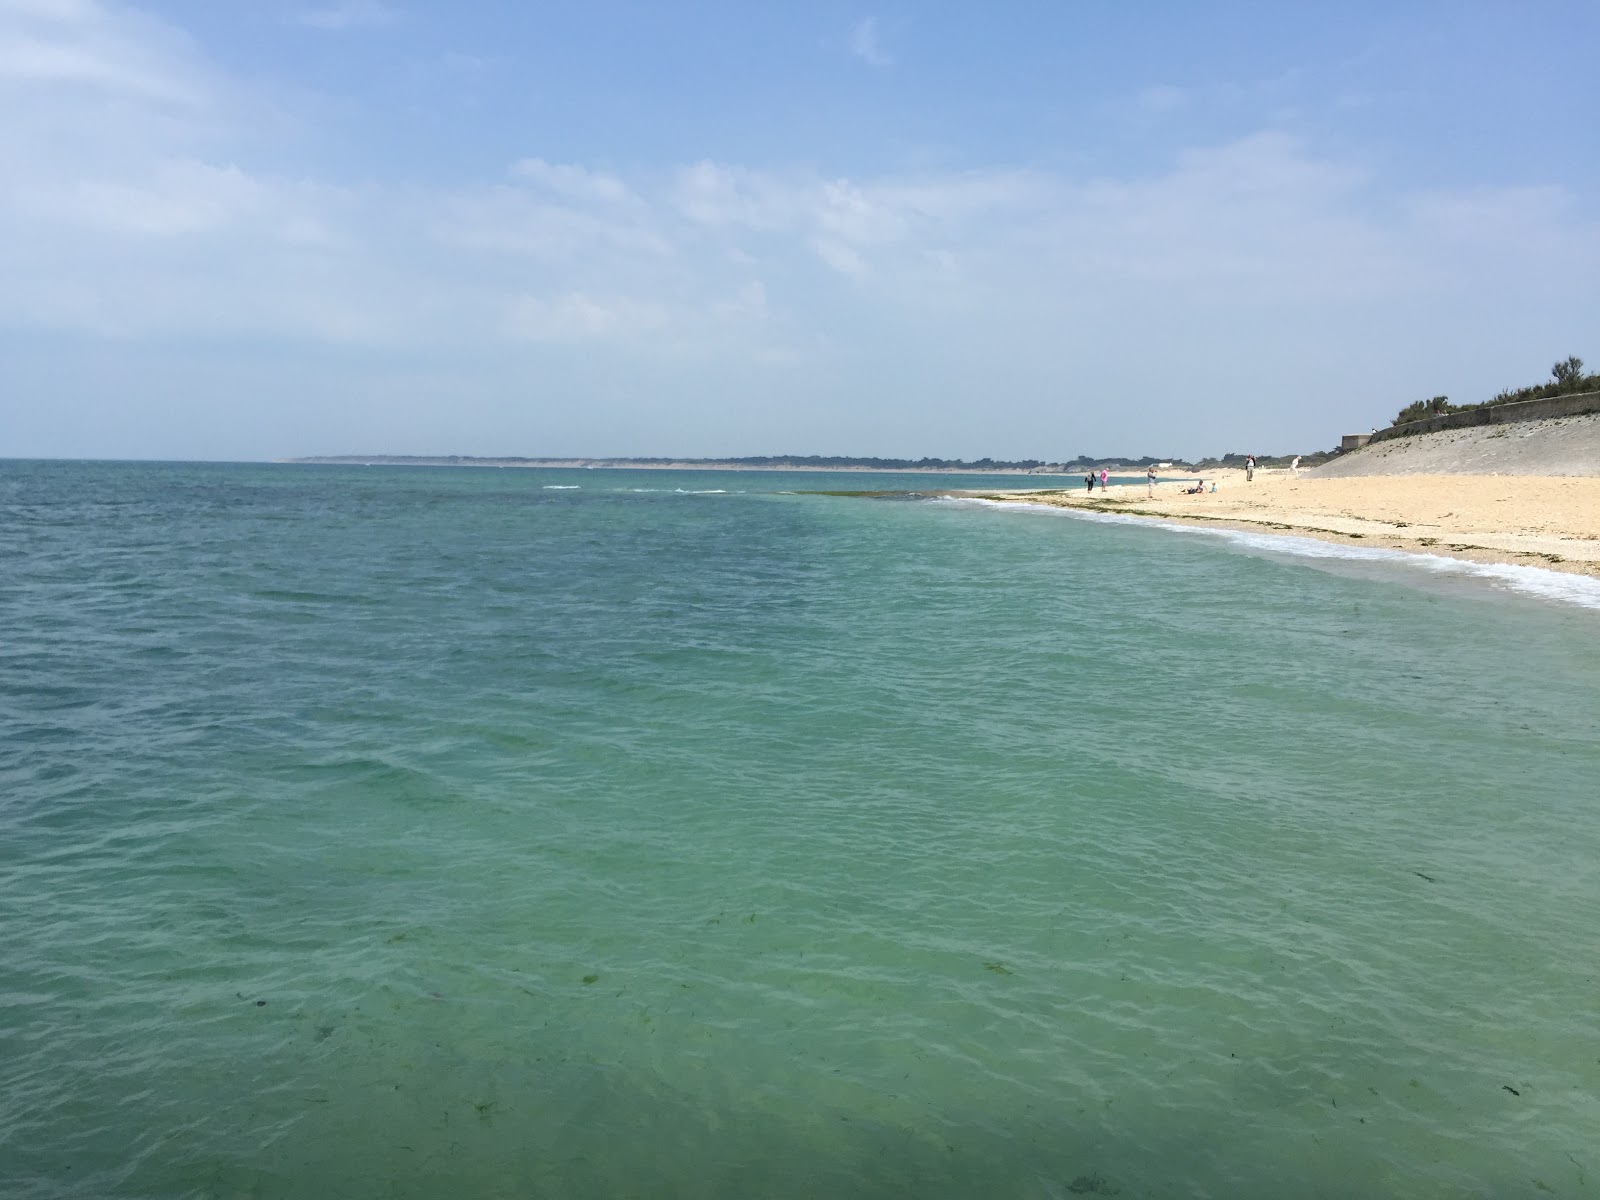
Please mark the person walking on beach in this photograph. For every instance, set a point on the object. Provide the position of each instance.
(1103, 474)
(1294, 466)
(1088, 481)
(1150, 482)
(1249, 467)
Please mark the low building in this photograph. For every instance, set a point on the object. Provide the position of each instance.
(1354, 441)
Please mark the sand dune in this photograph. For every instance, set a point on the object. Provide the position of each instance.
(1564, 446)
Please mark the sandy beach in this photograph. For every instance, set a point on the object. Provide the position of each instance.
(1543, 521)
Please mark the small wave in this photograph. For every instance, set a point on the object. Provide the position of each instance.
(1581, 590)
(563, 487)
(702, 492)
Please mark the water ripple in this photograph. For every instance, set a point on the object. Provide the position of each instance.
(432, 833)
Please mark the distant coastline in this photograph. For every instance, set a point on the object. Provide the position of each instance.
(1115, 464)
(903, 466)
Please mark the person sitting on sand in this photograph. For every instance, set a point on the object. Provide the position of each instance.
(1196, 489)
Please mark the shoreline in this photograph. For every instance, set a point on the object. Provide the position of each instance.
(1556, 527)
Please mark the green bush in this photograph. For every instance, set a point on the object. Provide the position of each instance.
(1567, 379)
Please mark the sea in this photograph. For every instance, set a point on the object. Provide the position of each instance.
(396, 832)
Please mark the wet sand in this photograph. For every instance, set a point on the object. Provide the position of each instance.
(1525, 520)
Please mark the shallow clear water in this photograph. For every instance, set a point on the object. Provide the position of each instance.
(415, 833)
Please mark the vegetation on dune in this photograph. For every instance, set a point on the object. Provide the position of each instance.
(1567, 379)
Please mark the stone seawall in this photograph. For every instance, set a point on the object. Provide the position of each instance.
(1498, 414)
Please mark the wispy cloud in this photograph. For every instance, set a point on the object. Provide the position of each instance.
(578, 317)
(864, 43)
(573, 182)
(348, 14)
(75, 46)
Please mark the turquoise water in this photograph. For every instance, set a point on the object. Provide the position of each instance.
(431, 833)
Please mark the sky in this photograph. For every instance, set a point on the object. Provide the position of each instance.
(253, 229)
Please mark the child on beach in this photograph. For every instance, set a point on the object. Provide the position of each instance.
(1150, 482)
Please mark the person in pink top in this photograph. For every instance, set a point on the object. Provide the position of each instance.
(1103, 474)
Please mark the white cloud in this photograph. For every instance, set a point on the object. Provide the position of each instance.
(348, 14)
(572, 181)
(716, 195)
(41, 61)
(841, 257)
(60, 46)
(177, 198)
(844, 221)
(56, 10)
(864, 43)
(511, 220)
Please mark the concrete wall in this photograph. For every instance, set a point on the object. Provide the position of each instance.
(1498, 414)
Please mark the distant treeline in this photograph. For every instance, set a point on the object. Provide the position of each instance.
(1315, 459)
(1567, 378)
(826, 461)
(1084, 463)
(773, 461)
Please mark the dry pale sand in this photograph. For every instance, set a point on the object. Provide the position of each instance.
(1566, 446)
(1527, 520)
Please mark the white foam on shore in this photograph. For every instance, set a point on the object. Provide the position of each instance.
(1559, 586)
(563, 487)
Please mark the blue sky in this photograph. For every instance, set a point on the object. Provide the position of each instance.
(253, 230)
